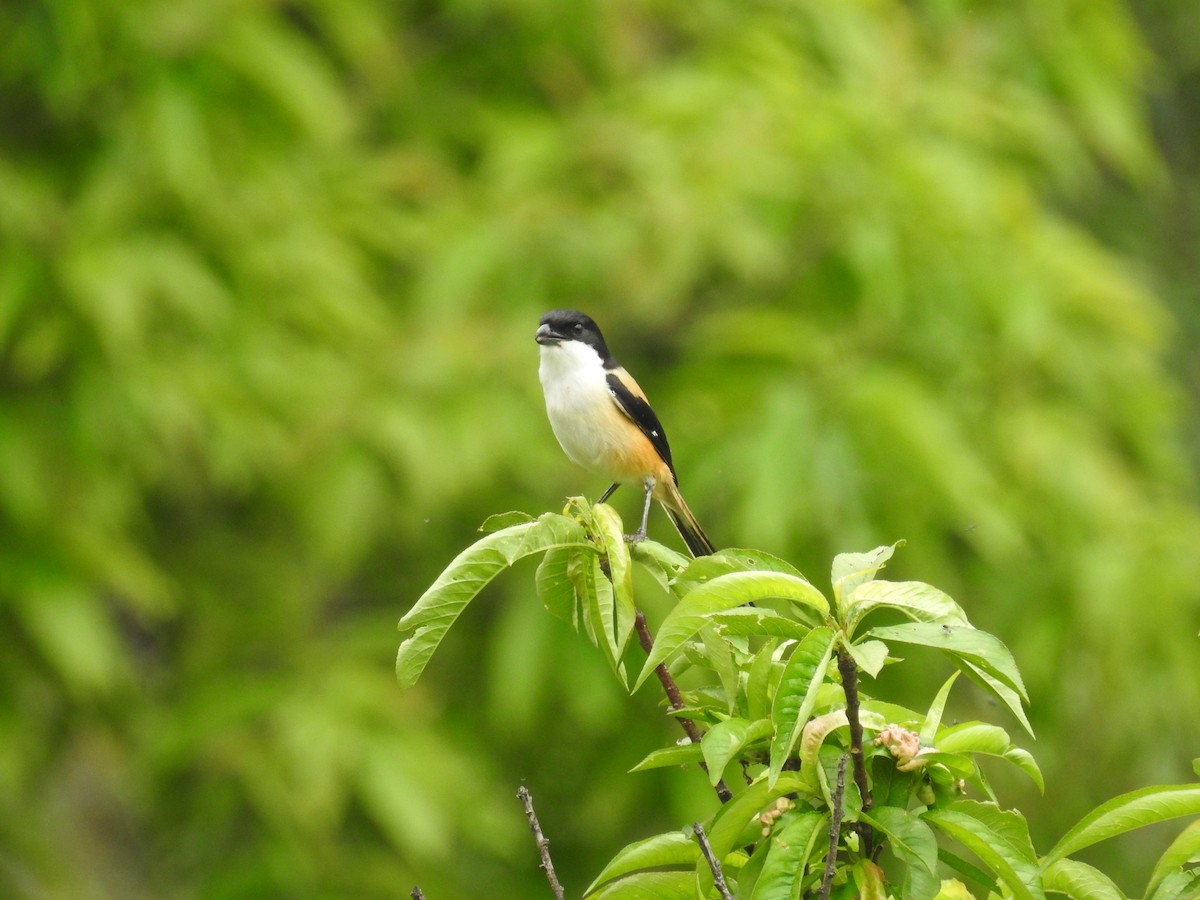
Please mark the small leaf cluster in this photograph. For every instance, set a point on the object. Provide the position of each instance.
(830, 791)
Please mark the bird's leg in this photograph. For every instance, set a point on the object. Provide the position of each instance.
(640, 535)
(608, 493)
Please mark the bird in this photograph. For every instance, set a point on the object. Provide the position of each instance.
(605, 424)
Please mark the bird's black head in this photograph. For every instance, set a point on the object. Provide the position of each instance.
(561, 325)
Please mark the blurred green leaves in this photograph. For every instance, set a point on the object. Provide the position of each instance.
(268, 275)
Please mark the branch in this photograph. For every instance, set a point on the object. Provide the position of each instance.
(674, 697)
(835, 828)
(713, 862)
(543, 845)
(849, 671)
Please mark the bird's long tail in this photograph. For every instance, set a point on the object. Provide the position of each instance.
(685, 523)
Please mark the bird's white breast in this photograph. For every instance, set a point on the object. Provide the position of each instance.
(579, 404)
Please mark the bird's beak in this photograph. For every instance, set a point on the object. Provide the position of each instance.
(547, 336)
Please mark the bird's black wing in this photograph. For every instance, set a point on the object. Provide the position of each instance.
(642, 415)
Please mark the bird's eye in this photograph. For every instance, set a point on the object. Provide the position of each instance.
(579, 328)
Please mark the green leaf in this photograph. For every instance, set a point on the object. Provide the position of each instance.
(1024, 761)
(732, 818)
(998, 837)
(911, 839)
(980, 649)
(796, 695)
(1184, 849)
(974, 737)
(912, 842)
(649, 886)
(725, 740)
(1127, 812)
(472, 570)
(852, 569)
(811, 739)
(500, 521)
(663, 563)
(718, 595)
(744, 621)
(919, 601)
(789, 850)
(1001, 691)
(681, 755)
(718, 656)
(554, 587)
(759, 683)
(933, 719)
(1181, 885)
(1079, 880)
(598, 604)
(675, 848)
(618, 619)
(703, 569)
(869, 656)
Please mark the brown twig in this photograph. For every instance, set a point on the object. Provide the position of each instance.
(849, 671)
(835, 828)
(674, 697)
(543, 845)
(713, 862)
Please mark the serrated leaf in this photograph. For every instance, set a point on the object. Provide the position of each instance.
(933, 718)
(472, 570)
(1126, 813)
(1184, 849)
(919, 601)
(789, 850)
(1182, 885)
(1080, 881)
(994, 836)
(852, 569)
(723, 593)
(681, 755)
(869, 656)
(796, 695)
(675, 848)
(725, 740)
(982, 650)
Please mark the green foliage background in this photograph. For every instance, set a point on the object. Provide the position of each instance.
(269, 274)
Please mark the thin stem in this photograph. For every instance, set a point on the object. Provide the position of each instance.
(835, 828)
(713, 862)
(849, 671)
(543, 845)
(674, 697)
